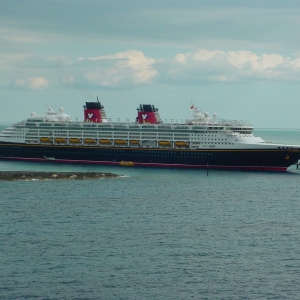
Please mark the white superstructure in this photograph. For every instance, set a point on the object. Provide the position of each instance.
(200, 132)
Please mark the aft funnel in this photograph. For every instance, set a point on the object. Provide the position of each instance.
(148, 114)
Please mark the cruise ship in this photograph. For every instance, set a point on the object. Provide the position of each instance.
(199, 142)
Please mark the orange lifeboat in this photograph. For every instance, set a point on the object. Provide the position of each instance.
(120, 142)
(181, 144)
(60, 140)
(164, 143)
(89, 141)
(74, 140)
(127, 163)
(104, 142)
(45, 140)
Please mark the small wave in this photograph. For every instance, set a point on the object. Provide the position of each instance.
(32, 179)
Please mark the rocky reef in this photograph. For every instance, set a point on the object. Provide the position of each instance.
(34, 175)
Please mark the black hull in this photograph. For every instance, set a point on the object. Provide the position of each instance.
(250, 159)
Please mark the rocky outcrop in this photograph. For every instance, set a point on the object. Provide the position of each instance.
(34, 175)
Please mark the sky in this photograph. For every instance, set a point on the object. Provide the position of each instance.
(240, 59)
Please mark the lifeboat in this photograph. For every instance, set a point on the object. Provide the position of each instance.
(104, 142)
(127, 163)
(164, 143)
(181, 144)
(134, 142)
(120, 142)
(60, 140)
(74, 140)
(89, 141)
(45, 140)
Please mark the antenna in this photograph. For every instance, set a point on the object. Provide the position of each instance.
(49, 108)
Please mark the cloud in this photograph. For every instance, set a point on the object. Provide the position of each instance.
(235, 66)
(19, 35)
(296, 63)
(123, 68)
(68, 79)
(134, 68)
(31, 83)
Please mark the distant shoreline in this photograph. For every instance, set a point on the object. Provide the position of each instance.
(36, 175)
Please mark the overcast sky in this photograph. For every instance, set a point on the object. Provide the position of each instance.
(240, 59)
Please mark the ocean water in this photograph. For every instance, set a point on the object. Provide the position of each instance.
(152, 233)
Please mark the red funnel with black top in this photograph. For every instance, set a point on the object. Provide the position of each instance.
(94, 112)
(148, 114)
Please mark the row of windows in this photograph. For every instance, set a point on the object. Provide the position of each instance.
(126, 130)
(12, 147)
(125, 136)
(210, 143)
(118, 153)
(204, 139)
(109, 151)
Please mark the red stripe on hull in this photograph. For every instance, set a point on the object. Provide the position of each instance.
(138, 164)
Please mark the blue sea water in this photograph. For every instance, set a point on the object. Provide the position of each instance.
(152, 233)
